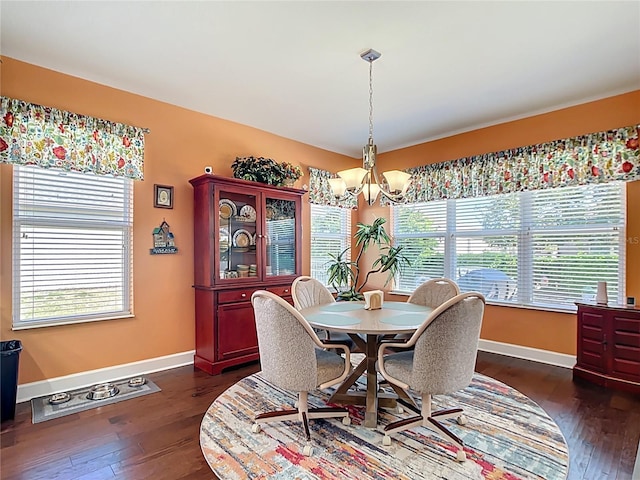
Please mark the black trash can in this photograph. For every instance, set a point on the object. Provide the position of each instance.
(9, 358)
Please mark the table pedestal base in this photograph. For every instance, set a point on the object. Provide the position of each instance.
(371, 399)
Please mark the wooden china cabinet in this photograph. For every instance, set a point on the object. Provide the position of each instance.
(609, 346)
(247, 237)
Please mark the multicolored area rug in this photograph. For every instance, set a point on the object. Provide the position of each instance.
(507, 437)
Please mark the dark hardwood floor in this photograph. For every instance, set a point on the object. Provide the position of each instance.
(157, 436)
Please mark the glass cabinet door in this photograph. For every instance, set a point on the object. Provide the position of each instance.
(280, 237)
(237, 234)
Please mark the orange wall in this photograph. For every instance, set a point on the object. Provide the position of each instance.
(534, 328)
(180, 145)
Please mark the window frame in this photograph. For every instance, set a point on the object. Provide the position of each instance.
(525, 256)
(55, 218)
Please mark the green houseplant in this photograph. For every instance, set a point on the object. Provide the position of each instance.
(345, 275)
(265, 170)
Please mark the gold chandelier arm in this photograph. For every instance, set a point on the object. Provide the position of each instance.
(384, 189)
(393, 198)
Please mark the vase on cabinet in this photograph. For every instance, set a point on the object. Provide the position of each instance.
(601, 294)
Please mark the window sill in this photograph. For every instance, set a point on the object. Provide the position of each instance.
(56, 323)
(568, 310)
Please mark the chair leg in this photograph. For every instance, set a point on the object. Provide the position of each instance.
(277, 416)
(303, 414)
(402, 425)
(430, 420)
(446, 414)
(446, 434)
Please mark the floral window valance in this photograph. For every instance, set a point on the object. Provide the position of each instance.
(320, 191)
(594, 158)
(50, 138)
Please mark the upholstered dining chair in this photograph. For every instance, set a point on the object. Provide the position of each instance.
(290, 360)
(441, 361)
(309, 292)
(432, 293)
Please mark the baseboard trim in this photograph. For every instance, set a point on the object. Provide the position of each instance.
(28, 391)
(528, 353)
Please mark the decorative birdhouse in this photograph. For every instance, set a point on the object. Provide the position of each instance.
(163, 240)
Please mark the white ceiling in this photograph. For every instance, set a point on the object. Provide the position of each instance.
(294, 68)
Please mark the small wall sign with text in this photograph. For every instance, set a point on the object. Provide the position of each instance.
(163, 240)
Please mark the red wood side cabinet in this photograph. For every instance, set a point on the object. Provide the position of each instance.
(609, 346)
(247, 237)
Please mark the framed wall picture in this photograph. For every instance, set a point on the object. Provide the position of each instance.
(162, 196)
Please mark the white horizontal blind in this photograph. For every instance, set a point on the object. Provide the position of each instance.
(330, 234)
(72, 247)
(545, 248)
(486, 245)
(576, 238)
(422, 230)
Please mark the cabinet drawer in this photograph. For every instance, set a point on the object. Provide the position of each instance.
(626, 339)
(622, 324)
(281, 291)
(233, 296)
(626, 369)
(594, 347)
(592, 333)
(594, 320)
(592, 361)
(626, 353)
(244, 294)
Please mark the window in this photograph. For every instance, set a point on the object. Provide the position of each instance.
(72, 244)
(330, 234)
(542, 248)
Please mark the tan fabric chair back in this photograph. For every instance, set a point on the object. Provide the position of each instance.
(434, 292)
(309, 292)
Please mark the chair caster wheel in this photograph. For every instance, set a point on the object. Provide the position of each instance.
(462, 420)
(386, 441)
(346, 420)
(255, 428)
(307, 450)
(461, 456)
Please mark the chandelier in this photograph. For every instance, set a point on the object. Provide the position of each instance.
(366, 180)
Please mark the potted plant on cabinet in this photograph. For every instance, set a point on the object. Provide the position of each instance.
(266, 170)
(290, 173)
(344, 275)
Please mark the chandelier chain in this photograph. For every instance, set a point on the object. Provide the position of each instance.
(371, 101)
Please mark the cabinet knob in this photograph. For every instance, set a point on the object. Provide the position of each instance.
(243, 295)
(286, 290)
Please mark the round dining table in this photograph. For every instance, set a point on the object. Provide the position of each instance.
(367, 328)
